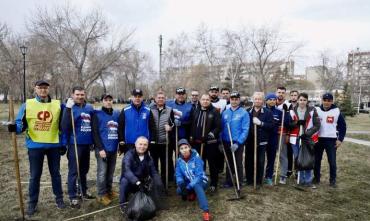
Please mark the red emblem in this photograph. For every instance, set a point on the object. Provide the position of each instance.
(329, 119)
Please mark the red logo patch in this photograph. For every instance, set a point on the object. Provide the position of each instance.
(329, 119)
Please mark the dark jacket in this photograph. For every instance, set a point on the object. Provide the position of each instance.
(135, 170)
(293, 124)
(264, 130)
(213, 124)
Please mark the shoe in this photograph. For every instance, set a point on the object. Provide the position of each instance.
(112, 195)
(289, 173)
(105, 200)
(227, 185)
(191, 197)
(206, 216)
(315, 181)
(268, 182)
(282, 180)
(60, 204)
(31, 209)
(333, 184)
(212, 189)
(88, 196)
(75, 203)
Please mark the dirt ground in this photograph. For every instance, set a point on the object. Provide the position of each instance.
(350, 201)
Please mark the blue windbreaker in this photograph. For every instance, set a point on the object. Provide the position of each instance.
(239, 125)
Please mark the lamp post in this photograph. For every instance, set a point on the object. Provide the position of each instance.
(24, 52)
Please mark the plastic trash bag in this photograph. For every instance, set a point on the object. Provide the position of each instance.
(141, 207)
(306, 155)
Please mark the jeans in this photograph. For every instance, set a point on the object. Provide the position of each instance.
(84, 163)
(158, 153)
(104, 172)
(239, 162)
(198, 188)
(249, 163)
(36, 159)
(327, 144)
(304, 176)
(284, 157)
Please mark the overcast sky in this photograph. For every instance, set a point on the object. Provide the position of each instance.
(338, 25)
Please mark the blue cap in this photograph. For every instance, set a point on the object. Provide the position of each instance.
(270, 96)
(183, 141)
(327, 96)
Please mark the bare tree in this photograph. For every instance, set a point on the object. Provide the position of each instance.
(331, 71)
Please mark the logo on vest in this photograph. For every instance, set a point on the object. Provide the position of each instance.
(112, 130)
(177, 113)
(144, 116)
(329, 119)
(43, 122)
(86, 122)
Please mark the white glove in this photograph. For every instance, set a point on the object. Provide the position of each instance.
(70, 103)
(257, 121)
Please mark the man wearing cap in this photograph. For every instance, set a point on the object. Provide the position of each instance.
(82, 115)
(191, 179)
(207, 119)
(161, 123)
(331, 135)
(133, 122)
(238, 120)
(263, 119)
(40, 118)
(105, 136)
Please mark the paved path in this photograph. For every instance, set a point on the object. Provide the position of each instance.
(357, 141)
(357, 132)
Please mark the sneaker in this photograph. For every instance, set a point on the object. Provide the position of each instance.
(31, 209)
(268, 182)
(212, 189)
(75, 203)
(112, 195)
(88, 196)
(60, 204)
(105, 200)
(191, 197)
(206, 216)
(282, 180)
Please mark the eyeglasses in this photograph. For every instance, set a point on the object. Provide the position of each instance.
(42, 87)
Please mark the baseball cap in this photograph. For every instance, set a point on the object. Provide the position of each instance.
(214, 87)
(136, 92)
(183, 142)
(106, 96)
(327, 96)
(270, 96)
(41, 82)
(234, 94)
(180, 90)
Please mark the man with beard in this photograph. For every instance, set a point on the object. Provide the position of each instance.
(205, 129)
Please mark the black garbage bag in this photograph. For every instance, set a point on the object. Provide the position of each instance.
(306, 155)
(141, 207)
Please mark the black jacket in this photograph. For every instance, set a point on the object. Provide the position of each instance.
(213, 124)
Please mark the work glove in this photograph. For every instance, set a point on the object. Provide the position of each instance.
(140, 185)
(188, 187)
(285, 107)
(303, 137)
(12, 127)
(62, 150)
(234, 147)
(211, 136)
(121, 148)
(92, 147)
(301, 122)
(177, 123)
(257, 121)
(70, 103)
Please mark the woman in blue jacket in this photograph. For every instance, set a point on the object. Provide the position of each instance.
(190, 177)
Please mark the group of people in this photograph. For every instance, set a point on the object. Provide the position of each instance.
(213, 127)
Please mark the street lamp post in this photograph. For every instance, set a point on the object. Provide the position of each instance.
(24, 52)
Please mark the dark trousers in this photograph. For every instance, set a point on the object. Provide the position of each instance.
(36, 159)
(83, 152)
(249, 163)
(271, 149)
(158, 153)
(220, 160)
(290, 156)
(239, 162)
(327, 144)
(210, 154)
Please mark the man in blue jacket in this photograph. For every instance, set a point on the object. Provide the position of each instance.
(263, 119)
(82, 115)
(40, 118)
(238, 120)
(133, 122)
(329, 139)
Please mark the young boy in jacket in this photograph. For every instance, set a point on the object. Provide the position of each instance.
(105, 135)
(191, 179)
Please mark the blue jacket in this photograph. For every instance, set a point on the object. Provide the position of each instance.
(105, 130)
(133, 123)
(191, 172)
(21, 124)
(135, 170)
(239, 125)
(183, 113)
(82, 116)
(263, 131)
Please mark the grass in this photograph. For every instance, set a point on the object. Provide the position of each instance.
(359, 136)
(359, 122)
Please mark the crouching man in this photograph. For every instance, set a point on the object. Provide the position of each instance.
(138, 171)
(191, 179)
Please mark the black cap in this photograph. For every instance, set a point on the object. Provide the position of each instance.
(136, 92)
(106, 96)
(41, 82)
(180, 90)
(183, 141)
(214, 87)
(327, 96)
(234, 94)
